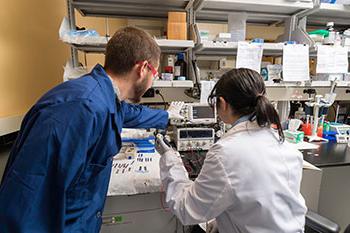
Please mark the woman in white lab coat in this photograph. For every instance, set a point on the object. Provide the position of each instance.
(250, 179)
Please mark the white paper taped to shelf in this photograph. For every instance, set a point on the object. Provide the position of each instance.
(295, 62)
(206, 87)
(249, 55)
(332, 59)
(134, 176)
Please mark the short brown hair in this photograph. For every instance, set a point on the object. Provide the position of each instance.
(128, 46)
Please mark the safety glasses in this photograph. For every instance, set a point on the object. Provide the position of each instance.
(212, 100)
(151, 68)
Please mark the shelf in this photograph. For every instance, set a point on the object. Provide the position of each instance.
(257, 10)
(175, 83)
(129, 8)
(337, 13)
(272, 12)
(297, 93)
(230, 48)
(175, 44)
(172, 46)
(10, 124)
(313, 84)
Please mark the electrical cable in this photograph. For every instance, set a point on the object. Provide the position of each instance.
(161, 96)
(196, 74)
(334, 110)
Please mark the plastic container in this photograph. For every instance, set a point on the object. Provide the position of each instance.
(168, 73)
(332, 36)
(346, 38)
(300, 114)
(258, 40)
(237, 26)
(328, 1)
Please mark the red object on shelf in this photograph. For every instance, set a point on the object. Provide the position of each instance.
(168, 69)
(307, 129)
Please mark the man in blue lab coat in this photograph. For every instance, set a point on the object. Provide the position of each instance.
(58, 171)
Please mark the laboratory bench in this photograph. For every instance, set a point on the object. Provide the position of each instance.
(328, 155)
(334, 160)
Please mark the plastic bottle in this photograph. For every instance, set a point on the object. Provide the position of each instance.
(180, 67)
(300, 114)
(346, 38)
(332, 34)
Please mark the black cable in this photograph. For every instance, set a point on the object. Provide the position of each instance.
(161, 96)
(334, 110)
(197, 79)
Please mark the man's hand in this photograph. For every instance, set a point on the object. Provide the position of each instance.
(174, 110)
(162, 144)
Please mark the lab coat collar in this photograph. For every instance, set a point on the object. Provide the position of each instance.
(243, 126)
(247, 126)
(104, 81)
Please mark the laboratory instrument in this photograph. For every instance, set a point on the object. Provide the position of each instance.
(188, 139)
(196, 114)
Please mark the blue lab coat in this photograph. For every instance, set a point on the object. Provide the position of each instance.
(57, 176)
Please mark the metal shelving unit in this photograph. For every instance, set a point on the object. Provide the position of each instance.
(152, 9)
(257, 11)
(146, 9)
(272, 11)
(167, 46)
(230, 48)
(262, 12)
(285, 93)
(294, 14)
(326, 12)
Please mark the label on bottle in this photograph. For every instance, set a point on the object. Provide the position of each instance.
(177, 71)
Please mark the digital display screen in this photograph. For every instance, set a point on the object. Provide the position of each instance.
(200, 112)
(196, 133)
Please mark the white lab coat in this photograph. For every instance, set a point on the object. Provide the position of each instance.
(249, 182)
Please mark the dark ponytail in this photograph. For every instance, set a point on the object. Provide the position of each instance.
(244, 90)
(266, 115)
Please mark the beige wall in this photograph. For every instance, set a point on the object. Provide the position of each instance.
(31, 57)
